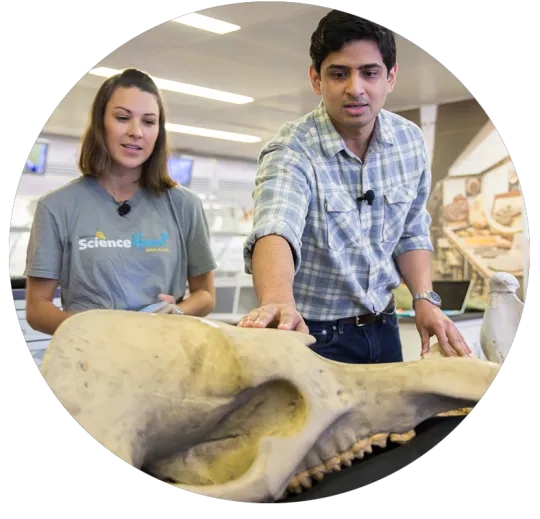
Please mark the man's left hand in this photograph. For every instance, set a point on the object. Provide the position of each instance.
(431, 320)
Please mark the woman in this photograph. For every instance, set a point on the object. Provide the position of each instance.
(122, 236)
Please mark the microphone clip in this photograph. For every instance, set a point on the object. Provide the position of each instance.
(123, 208)
(368, 196)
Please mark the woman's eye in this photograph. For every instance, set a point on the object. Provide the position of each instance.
(150, 122)
(121, 118)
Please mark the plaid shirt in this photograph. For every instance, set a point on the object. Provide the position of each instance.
(307, 190)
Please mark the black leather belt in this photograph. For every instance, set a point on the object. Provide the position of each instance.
(362, 320)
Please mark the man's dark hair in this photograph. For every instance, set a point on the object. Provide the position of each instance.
(337, 28)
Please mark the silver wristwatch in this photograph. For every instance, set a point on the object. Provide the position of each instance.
(431, 296)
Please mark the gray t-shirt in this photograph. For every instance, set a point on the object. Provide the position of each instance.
(104, 260)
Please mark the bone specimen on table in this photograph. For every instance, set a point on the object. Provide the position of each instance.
(507, 231)
(457, 210)
(501, 317)
(489, 252)
(477, 217)
(505, 215)
(511, 261)
(240, 414)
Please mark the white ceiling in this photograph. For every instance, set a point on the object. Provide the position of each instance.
(267, 59)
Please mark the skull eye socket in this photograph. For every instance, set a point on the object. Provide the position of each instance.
(275, 408)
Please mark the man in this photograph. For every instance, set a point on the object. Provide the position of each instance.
(340, 209)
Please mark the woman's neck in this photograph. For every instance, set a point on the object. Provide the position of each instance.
(121, 183)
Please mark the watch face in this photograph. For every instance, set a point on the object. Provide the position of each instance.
(435, 297)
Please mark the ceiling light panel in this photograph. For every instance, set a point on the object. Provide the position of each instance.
(216, 134)
(183, 88)
(206, 23)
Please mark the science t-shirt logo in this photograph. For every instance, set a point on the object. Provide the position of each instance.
(137, 241)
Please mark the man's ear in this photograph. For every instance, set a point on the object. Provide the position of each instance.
(315, 80)
(392, 77)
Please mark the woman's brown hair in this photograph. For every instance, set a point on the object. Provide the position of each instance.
(95, 160)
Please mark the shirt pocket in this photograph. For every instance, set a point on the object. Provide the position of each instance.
(397, 203)
(342, 221)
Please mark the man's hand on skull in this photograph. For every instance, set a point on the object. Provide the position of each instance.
(281, 316)
(431, 320)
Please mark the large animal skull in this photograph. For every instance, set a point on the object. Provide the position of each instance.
(240, 414)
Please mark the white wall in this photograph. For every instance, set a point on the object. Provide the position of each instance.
(493, 183)
(486, 149)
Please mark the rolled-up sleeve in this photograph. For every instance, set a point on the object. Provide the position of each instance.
(280, 200)
(416, 233)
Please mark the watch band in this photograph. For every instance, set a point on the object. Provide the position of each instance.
(431, 296)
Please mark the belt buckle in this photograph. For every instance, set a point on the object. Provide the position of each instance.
(357, 322)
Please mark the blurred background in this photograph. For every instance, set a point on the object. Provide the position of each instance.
(231, 76)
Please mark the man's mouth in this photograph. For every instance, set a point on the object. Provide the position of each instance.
(355, 109)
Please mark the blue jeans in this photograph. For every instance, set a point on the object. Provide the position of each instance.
(369, 344)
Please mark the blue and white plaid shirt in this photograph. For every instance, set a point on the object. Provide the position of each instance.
(306, 190)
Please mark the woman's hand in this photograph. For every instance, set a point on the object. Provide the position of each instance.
(171, 307)
(167, 298)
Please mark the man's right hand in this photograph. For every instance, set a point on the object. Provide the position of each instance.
(285, 316)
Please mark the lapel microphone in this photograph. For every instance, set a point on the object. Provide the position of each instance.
(368, 196)
(123, 208)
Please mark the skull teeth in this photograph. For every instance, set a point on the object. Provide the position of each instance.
(379, 440)
(304, 480)
(333, 464)
(361, 447)
(402, 438)
(347, 458)
(462, 411)
(317, 472)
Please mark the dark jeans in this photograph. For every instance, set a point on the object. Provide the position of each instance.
(369, 344)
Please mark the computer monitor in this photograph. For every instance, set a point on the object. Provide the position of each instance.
(37, 160)
(180, 169)
(454, 294)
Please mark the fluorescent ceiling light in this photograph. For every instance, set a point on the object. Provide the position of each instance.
(206, 23)
(183, 88)
(216, 134)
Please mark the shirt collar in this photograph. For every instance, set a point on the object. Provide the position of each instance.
(332, 142)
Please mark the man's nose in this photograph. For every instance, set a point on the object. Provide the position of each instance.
(355, 86)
